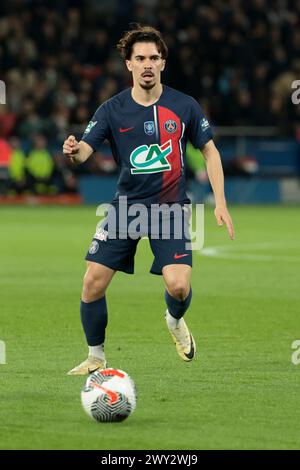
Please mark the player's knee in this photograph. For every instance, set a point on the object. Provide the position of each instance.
(93, 287)
(179, 289)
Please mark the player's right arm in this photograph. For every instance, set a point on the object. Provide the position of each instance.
(78, 152)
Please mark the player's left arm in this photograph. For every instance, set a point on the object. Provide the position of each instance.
(216, 178)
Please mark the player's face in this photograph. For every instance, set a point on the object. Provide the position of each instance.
(145, 64)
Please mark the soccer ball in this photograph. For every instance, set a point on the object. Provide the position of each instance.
(109, 395)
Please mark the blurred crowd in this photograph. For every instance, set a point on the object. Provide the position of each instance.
(59, 62)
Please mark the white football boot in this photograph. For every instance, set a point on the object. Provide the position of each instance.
(90, 365)
(182, 337)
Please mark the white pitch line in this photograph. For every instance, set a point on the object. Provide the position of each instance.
(225, 252)
(256, 246)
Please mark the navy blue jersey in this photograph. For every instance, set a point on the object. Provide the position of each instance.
(148, 143)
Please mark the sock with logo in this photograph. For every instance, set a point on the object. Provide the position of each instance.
(94, 321)
(177, 308)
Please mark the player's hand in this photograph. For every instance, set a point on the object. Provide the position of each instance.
(222, 215)
(71, 146)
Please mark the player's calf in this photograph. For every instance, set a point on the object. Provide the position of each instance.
(96, 281)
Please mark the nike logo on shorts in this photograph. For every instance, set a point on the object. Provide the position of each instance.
(176, 256)
(126, 130)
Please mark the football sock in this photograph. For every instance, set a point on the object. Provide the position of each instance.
(177, 308)
(97, 351)
(94, 320)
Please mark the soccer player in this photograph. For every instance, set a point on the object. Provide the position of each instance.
(147, 126)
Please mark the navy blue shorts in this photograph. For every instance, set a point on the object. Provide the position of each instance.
(118, 253)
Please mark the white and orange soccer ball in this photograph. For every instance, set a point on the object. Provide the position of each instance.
(109, 395)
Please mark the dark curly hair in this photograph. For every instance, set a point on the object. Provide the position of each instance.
(141, 33)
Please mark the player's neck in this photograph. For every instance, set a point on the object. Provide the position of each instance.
(146, 97)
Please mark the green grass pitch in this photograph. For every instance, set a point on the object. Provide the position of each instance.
(242, 390)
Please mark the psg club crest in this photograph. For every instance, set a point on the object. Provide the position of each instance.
(149, 127)
(170, 126)
(94, 247)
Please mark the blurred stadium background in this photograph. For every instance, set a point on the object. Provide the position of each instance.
(237, 58)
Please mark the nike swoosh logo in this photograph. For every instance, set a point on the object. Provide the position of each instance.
(90, 371)
(176, 256)
(126, 130)
(191, 354)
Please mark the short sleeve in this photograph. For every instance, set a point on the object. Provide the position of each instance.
(198, 128)
(97, 129)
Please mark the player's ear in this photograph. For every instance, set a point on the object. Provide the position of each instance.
(128, 65)
(163, 65)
